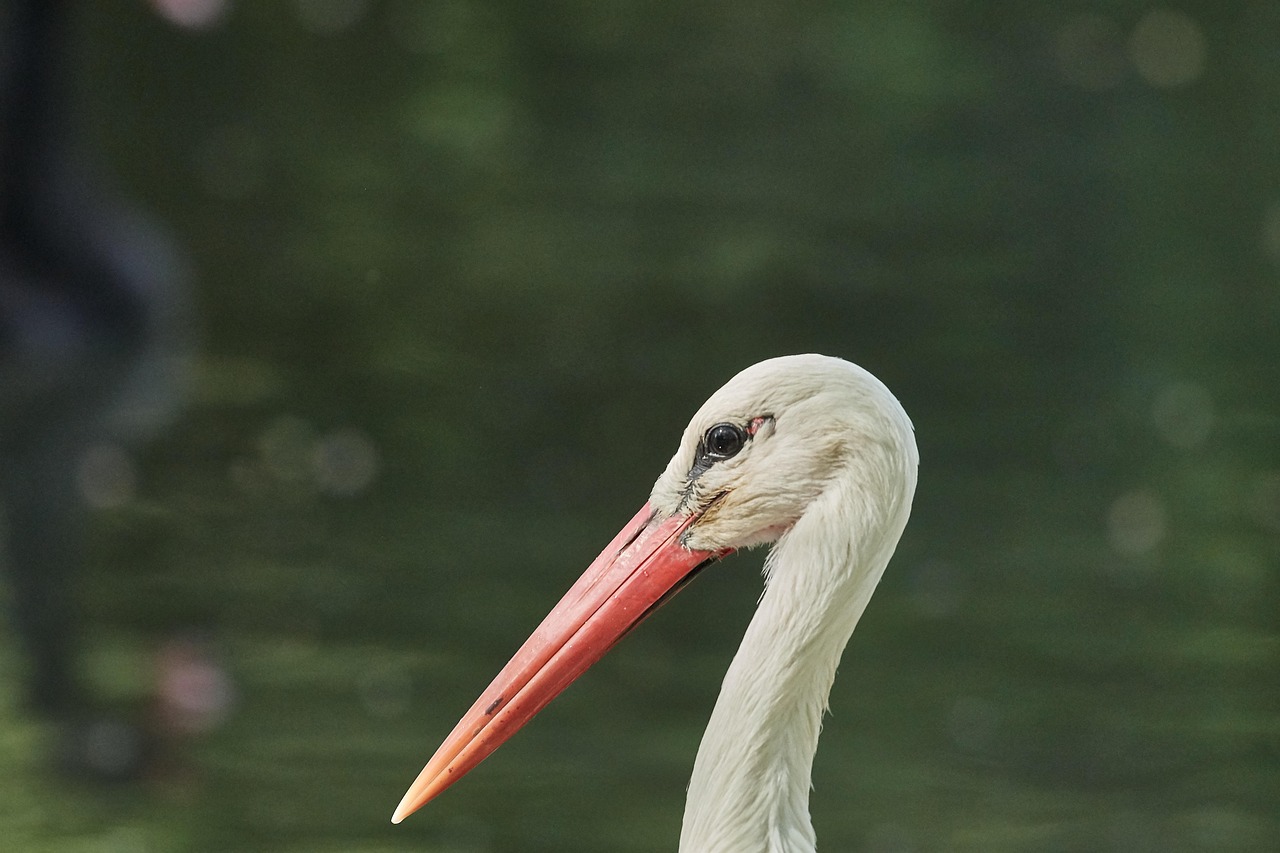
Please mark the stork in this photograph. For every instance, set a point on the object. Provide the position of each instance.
(810, 452)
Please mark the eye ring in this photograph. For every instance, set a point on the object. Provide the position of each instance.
(723, 441)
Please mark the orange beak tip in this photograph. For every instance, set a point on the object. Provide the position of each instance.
(408, 805)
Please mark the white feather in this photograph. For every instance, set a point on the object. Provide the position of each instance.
(830, 477)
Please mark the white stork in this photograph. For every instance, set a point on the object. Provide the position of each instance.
(807, 451)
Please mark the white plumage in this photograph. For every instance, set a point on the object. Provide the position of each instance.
(835, 476)
(810, 452)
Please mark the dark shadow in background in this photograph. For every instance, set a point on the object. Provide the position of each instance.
(90, 325)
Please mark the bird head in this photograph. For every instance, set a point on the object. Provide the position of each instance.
(765, 446)
(755, 457)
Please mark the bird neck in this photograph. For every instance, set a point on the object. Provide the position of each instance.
(749, 792)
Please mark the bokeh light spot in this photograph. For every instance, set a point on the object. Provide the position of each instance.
(195, 693)
(1167, 48)
(106, 477)
(1136, 522)
(192, 14)
(344, 461)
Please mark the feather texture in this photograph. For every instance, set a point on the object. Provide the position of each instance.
(831, 480)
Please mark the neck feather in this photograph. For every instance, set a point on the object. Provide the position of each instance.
(750, 787)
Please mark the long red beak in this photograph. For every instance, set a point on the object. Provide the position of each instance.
(643, 565)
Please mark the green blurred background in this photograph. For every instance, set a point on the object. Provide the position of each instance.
(463, 271)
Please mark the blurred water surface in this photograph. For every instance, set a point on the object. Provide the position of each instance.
(466, 269)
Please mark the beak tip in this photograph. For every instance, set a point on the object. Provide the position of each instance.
(403, 810)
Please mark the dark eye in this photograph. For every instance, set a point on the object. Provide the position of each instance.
(723, 441)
